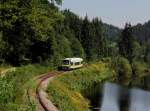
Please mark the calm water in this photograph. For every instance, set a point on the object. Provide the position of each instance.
(116, 98)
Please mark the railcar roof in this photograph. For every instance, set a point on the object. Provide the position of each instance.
(74, 59)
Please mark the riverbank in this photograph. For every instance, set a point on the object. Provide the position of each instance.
(67, 90)
(75, 91)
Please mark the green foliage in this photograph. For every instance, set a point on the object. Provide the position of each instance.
(112, 49)
(86, 38)
(137, 50)
(39, 25)
(131, 75)
(126, 47)
(111, 32)
(64, 47)
(67, 91)
(142, 32)
(77, 48)
(26, 26)
(13, 87)
(5, 88)
(90, 34)
(141, 75)
(92, 39)
(73, 23)
(123, 70)
(141, 68)
(99, 40)
(147, 52)
(32, 25)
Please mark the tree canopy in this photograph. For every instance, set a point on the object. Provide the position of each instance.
(35, 31)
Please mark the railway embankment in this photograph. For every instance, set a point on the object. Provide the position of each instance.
(68, 91)
(73, 91)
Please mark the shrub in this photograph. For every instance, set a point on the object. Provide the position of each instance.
(123, 70)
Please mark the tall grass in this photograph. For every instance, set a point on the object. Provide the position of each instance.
(67, 91)
(13, 87)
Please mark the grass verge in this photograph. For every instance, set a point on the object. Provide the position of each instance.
(14, 85)
(66, 91)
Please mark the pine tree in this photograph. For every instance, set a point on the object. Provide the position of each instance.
(126, 44)
(99, 41)
(86, 38)
(147, 52)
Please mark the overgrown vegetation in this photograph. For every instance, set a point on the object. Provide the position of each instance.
(14, 86)
(67, 91)
(73, 90)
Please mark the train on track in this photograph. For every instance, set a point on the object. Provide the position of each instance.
(70, 63)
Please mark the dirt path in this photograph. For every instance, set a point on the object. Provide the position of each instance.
(40, 96)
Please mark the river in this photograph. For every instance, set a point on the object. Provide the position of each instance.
(117, 98)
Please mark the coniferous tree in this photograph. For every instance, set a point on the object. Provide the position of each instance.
(99, 41)
(126, 47)
(147, 52)
(86, 38)
(74, 23)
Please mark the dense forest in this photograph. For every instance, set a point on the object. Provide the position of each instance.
(142, 32)
(36, 31)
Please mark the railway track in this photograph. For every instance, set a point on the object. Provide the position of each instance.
(39, 94)
(42, 97)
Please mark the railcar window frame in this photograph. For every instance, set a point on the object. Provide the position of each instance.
(66, 62)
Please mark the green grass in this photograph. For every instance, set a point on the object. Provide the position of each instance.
(69, 91)
(3, 68)
(14, 85)
(66, 91)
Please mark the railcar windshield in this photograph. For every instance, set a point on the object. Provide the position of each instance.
(66, 62)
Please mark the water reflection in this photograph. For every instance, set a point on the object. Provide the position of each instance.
(116, 98)
(140, 100)
(110, 97)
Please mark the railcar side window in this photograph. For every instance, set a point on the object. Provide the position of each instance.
(77, 63)
(66, 62)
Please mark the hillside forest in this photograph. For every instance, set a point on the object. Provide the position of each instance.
(36, 31)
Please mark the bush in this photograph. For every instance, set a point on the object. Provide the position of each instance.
(142, 74)
(141, 68)
(123, 70)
